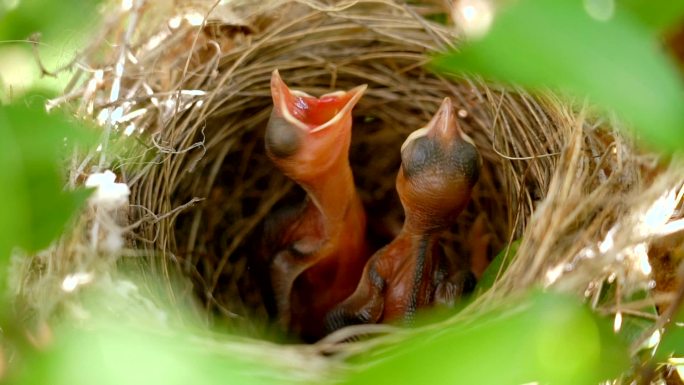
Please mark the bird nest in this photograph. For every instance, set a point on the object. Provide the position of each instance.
(182, 95)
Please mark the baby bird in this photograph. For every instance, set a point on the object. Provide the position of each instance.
(439, 167)
(319, 249)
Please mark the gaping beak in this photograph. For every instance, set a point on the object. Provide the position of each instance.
(309, 113)
(442, 127)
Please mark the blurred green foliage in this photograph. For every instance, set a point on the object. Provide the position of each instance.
(118, 355)
(556, 44)
(34, 205)
(54, 20)
(672, 342)
(658, 15)
(61, 28)
(547, 338)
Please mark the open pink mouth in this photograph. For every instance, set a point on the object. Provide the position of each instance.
(311, 113)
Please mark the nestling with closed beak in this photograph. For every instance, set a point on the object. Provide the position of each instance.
(439, 168)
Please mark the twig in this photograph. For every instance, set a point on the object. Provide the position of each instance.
(156, 218)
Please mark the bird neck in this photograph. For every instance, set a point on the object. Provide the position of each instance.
(333, 192)
(422, 225)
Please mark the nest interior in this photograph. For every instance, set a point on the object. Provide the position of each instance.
(384, 45)
(193, 82)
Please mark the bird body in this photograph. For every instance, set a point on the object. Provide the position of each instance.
(440, 166)
(320, 249)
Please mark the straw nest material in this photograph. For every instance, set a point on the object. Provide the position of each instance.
(182, 94)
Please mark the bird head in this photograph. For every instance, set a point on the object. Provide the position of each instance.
(308, 135)
(439, 167)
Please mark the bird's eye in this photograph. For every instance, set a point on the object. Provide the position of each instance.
(418, 154)
(282, 138)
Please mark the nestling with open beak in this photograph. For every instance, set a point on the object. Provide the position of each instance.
(319, 249)
(439, 167)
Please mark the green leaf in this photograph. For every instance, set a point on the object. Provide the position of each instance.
(546, 338)
(672, 341)
(53, 19)
(658, 15)
(55, 30)
(498, 265)
(633, 327)
(34, 204)
(617, 63)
